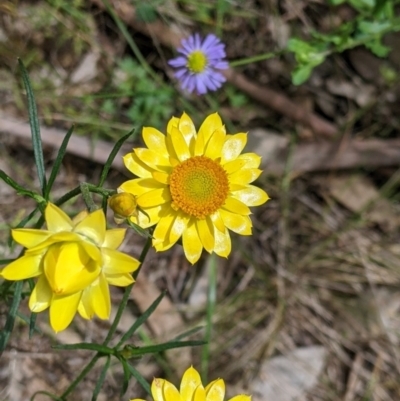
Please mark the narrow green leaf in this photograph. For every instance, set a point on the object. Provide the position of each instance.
(101, 379)
(88, 346)
(9, 181)
(140, 379)
(35, 128)
(111, 158)
(141, 320)
(50, 395)
(8, 327)
(57, 162)
(132, 352)
(127, 375)
(28, 218)
(189, 333)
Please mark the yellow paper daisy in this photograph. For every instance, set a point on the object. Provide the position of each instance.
(75, 261)
(194, 185)
(191, 389)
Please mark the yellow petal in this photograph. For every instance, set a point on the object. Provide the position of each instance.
(252, 160)
(79, 217)
(199, 394)
(245, 176)
(222, 245)
(155, 197)
(192, 245)
(140, 186)
(240, 397)
(215, 391)
(153, 159)
(234, 165)
(120, 280)
(233, 146)
(115, 262)
(170, 392)
(190, 381)
(136, 166)
(239, 224)
(24, 267)
(92, 250)
(161, 232)
(211, 123)
(68, 268)
(93, 226)
(154, 139)
(56, 219)
(160, 177)
(217, 221)
(215, 144)
(173, 122)
(114, 238)
(205, 229)
(41, 295)
(179, 144)
(63, 309)
(30, 237)
(251, 196)
(236, 206)
(187, 128)
(148, 217)
(157, 389)
(178, 227)
(100, 298)
(85, 307)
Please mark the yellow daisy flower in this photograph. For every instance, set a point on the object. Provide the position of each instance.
(191, 389)
(194, 185)
(75, 261)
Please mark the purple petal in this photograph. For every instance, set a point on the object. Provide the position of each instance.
(178, 62)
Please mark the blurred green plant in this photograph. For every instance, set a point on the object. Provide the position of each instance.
(149, 99)
(374, 19)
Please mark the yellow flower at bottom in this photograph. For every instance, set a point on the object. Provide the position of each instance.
(194, 185)
(191, 389)
(74, 261)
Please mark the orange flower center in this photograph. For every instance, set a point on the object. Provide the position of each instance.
(199, 186)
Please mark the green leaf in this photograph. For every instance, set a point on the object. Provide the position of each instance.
(188, 333)
(57, 162)
(127, 375)
(130, 351)
(112, 155)
(141, 320)
(101, 379)
(88, 346)
(48, 394)
(9, 325)
(378, 48)
(141, 231)
(146, 12)
(140, 379)
(301, 73)
(374, 27)
(35, 128)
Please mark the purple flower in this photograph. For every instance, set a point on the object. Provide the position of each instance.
(198, 65)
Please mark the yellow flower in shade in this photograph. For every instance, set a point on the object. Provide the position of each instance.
(194, 185)
(191, 389)
(75, 261)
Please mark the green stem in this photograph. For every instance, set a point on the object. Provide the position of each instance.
(127, 292)
(81, 376)
(77, 191)
(254, 59)
(211, 301)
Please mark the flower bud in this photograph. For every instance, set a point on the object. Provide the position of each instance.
(123, 205)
